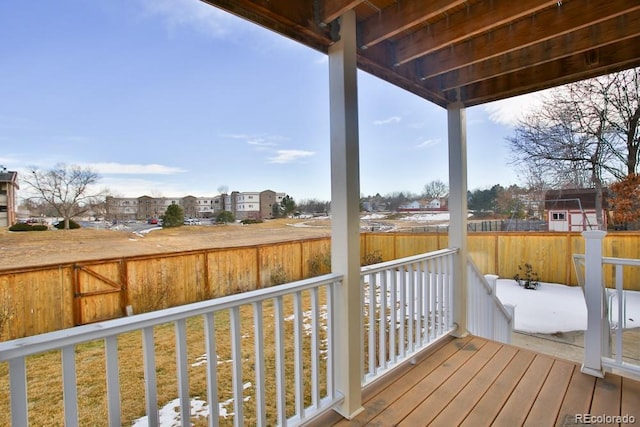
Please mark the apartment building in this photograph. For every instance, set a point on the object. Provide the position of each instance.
(243, 205)
(8, 196)
(122, 208)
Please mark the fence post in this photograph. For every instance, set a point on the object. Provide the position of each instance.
(593, 338)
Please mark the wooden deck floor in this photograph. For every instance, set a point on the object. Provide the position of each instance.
(472, 381)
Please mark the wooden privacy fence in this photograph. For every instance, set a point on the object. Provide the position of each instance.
(52, 297)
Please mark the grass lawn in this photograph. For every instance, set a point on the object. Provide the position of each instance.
(45, 376)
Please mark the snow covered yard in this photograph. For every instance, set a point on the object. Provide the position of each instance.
(555, 308)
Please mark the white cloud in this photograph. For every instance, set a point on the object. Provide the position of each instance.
(205, 18)
(134, 169)
(256, 139)
(428, 143)
(6, 161)
(236, 136)
(261, 142)
(387, 121)
(290, 156)
(509, 111)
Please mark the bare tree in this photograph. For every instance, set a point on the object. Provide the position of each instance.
(435, 190)
(623, 95)
(574, 138)
(66, 189)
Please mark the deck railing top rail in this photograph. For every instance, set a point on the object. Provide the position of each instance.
(606, 308)
(374, 268)
(613, 260)
(312, 303)
(55, 340)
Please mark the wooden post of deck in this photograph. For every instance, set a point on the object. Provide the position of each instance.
(457, 131)
(593, 337)
(345, 212)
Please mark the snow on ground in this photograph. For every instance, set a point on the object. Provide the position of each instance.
(170, 413)
(141, 233)
(556, 308)
(149, 230)
(373, 216)
(427, 217)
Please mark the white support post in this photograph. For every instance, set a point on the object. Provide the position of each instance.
(492, 280)
(593, 338)
(345, 212)
(457, 118)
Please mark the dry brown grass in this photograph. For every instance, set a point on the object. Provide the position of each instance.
(44, 371)
(23, 249)
(45, 376)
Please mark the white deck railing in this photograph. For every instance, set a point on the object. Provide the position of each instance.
(306, 304)
(279, 339)
(487, 317)
(613, 319)
(407, 306)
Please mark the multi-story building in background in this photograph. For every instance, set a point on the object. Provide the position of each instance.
(243, 205)
(8, 192)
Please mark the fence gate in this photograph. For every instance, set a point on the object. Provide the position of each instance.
(99, 291)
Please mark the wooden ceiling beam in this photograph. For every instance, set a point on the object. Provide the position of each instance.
(583, 40)
(580, 66)
(400, 17)
(476, 19)
(401, 80)
(376, 61)
(333, 9)
(485, 50)
(544, 26)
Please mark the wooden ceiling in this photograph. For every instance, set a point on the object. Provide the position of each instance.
(473, 51)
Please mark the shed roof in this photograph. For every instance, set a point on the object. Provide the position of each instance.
(10, 177)
(573, 199)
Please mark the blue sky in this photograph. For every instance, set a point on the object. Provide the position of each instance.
(174, 97)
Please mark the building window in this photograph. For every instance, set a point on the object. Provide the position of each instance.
(558, 216)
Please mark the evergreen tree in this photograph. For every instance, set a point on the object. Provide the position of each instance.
(288, 205)
(225, 217)
(173, 216)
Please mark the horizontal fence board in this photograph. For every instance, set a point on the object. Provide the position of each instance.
(43, 298)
